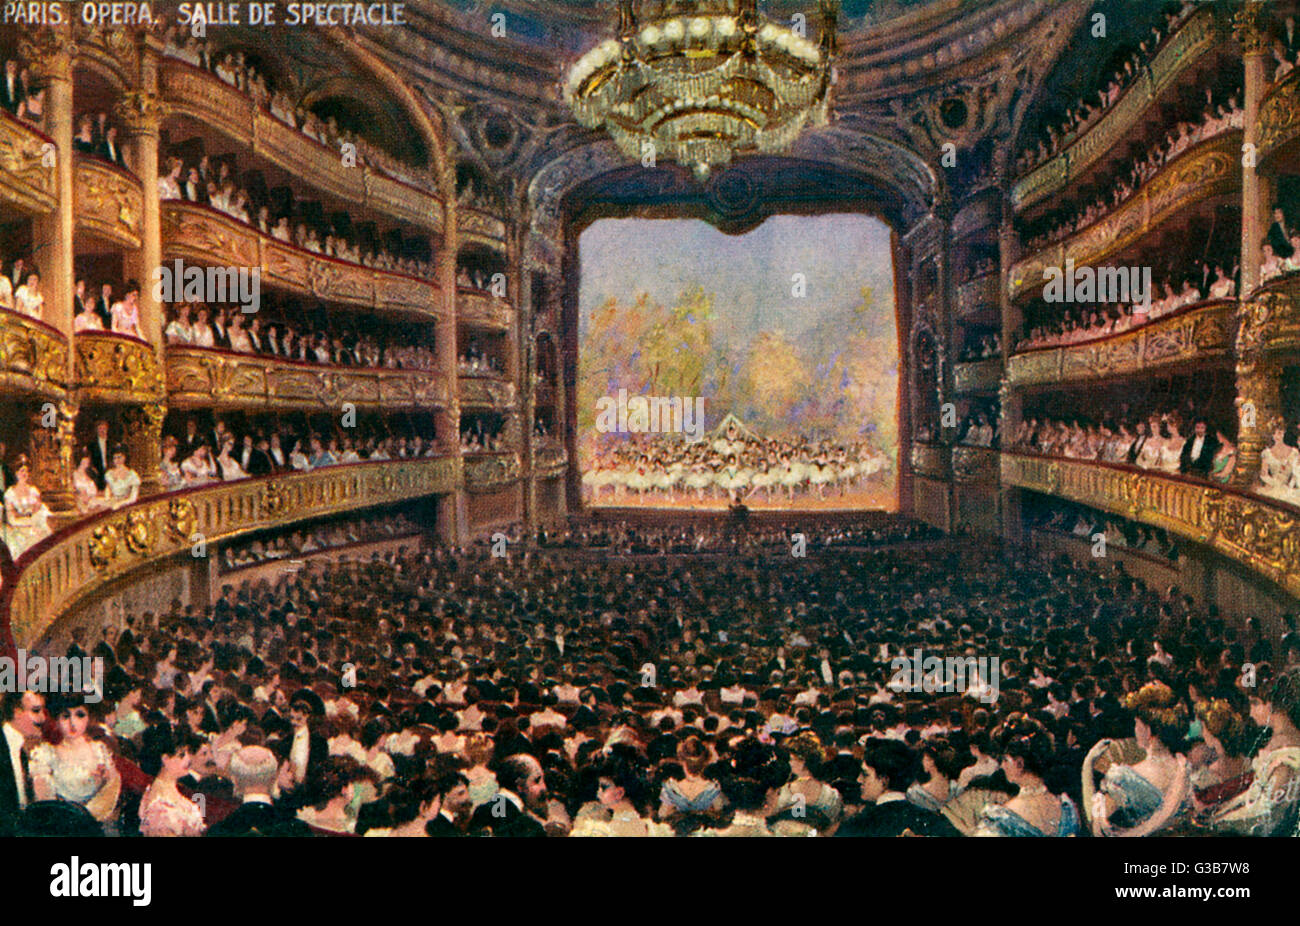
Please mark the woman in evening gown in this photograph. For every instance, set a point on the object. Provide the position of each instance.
(89, 497)
(1139, 799)
(77, 768)
(26, 517)
(164, 810)
(1026, 749)
(121, 481)
(1269, 806)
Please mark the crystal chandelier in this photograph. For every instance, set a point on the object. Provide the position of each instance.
(703, 80)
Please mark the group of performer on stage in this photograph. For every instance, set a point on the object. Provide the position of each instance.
(734, 466)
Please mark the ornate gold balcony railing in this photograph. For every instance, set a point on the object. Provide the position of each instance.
(979, 294)
(1260, 533)
(205, 236)
(28, 181)
(66, 568)
(1200, 333)
(974, 464)
(1208, 170)
(1279, 115)
(475, 307)
(932, 460)
(204, 97)
(116, 368)
(550, 459)
(479, 226)
(488, 472)
(1197, 36)
(486, 392)
(33, 356)
(109, 201)
(208, 377)
(977, 376)
(1270, 319)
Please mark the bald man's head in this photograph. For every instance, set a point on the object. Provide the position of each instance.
(253, 770)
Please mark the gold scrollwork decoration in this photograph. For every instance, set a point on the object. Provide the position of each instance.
(139, 533)
(103, 545)
(182, 519)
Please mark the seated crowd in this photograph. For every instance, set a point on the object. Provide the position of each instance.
(212, 182)
(20, 289)
(1280, 250)
(236, 69)
(477, 362)
(21, 94)
(980, 426)
(1058, 324)
(284, 332)
(1087, 523)
(450, 692)
(1085, 112)
(481, 435)
(1156, 442)
(200, 456)
(290, 544)
(981, 347)
(1214, 120)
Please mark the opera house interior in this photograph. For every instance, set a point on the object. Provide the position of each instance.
(957, 493)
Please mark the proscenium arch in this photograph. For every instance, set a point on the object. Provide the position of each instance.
(595, 182)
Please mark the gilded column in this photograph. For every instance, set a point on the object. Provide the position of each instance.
(451, 509)
(50, 52)
(559, 399)
(1259, 382)
(140, 113)
(143, 426)
(519, 422)
(1011, 403)
(1251, 31)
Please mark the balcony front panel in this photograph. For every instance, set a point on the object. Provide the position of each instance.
(109, 202)
(205, 377)
(978, 376)
(28, 181)
(33, 356)
(974, 464)
(1256, 532)
(1209, 170)
(978, 295)
(116, 368)
(489, 472)
(204, 236)
(65, 569)
(486, 392)
(475, 307)
(1279, 115)
(1197, 36)
(1203, 334)
(1270, 319)
(550, 459)
(201, 96)
(481, 227)
(931, 460)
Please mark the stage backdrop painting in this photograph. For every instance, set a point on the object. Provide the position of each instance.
(759, 368)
